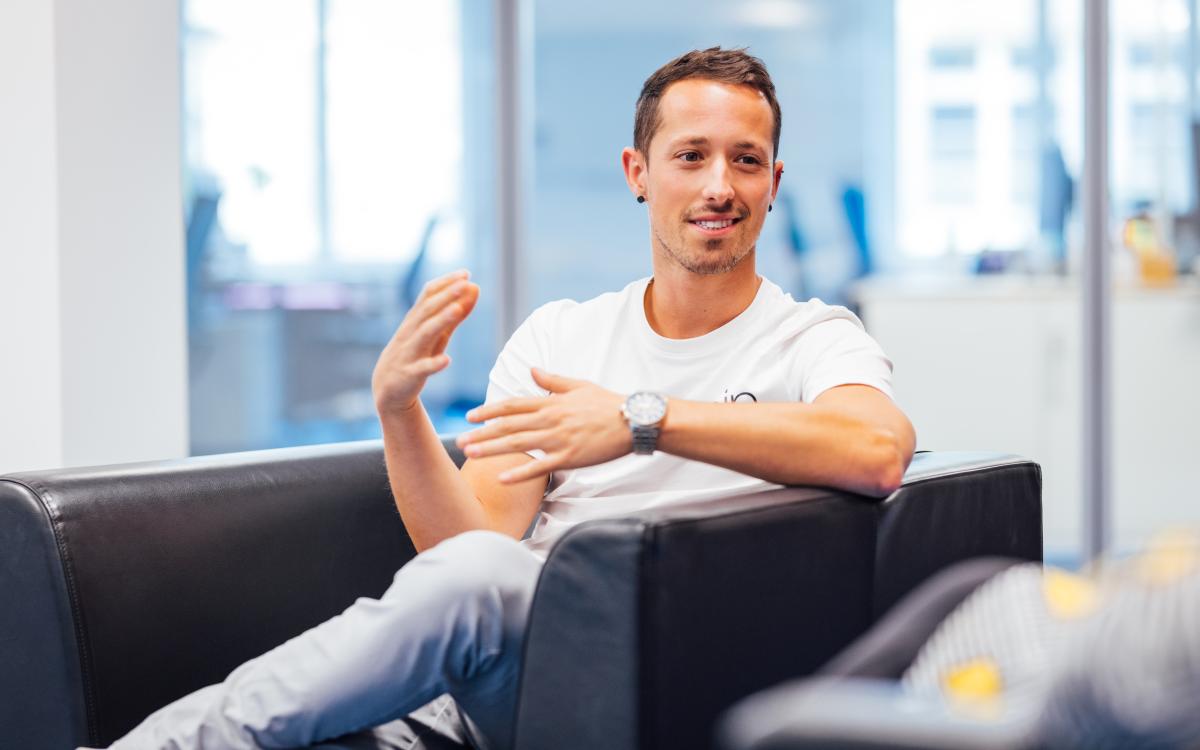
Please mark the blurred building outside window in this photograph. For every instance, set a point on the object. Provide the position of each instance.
(984, 90)
(320, 198)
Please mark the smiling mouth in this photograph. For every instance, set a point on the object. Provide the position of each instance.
(714, 225)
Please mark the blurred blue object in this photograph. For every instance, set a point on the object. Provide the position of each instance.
(797, 242)
(411, 286)
(1057, 195)
(855, 205)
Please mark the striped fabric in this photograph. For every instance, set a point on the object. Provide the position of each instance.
(1111, 660)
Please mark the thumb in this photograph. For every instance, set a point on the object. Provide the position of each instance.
(553, 383)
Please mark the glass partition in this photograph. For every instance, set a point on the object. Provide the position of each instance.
(337, 155)
(1153, 186)
(979, 304)
(340, 153)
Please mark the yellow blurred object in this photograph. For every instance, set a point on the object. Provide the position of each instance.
(975, 687)
(1069, 596)
(1156, 262)
(1170, 556)
(974, 680)
(1156, 268)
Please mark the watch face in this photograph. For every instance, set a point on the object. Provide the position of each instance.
(645, 408)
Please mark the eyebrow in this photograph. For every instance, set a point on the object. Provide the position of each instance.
(699, 140)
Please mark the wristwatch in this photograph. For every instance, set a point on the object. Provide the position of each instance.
(644, 411)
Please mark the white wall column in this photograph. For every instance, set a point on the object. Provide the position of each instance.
(93, 337)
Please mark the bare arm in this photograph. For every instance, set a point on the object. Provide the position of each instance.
(853, 436)
(435, 499)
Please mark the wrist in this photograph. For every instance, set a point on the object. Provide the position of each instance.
(644, 413)
(391, 406)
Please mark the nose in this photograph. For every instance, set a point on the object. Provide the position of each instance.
(717, 186)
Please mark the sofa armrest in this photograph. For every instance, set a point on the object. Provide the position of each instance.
(827, 714)
(953, 506)
(645, 628)
(118, 598)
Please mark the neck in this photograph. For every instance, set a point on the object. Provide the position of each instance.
(680, 304)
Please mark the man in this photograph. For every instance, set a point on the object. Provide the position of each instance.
(703, 381)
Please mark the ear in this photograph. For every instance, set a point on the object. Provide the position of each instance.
(778, 177)
(634, 165)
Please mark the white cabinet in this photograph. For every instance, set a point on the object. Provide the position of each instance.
(994, 363)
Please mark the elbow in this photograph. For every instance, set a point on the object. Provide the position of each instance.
(891, 461)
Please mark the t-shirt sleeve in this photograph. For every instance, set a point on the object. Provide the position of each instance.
(528, 347)
(839, 352)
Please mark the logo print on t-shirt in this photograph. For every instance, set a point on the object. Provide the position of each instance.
(743, 396)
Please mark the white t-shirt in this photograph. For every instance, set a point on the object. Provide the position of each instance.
(777, 349)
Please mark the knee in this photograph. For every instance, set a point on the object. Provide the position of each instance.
(485, 556)
(478, 561)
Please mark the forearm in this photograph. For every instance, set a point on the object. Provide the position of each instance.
(788, 443)
(434, 499)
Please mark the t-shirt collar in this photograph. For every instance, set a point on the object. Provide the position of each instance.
(718, 339)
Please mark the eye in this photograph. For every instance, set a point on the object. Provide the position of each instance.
(690, 156)
(749, 159)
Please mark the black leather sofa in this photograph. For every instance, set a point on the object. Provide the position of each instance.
(124, 587)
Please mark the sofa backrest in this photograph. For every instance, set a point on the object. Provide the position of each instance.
(116, 598)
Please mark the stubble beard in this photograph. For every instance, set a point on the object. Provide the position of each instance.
(704, 267)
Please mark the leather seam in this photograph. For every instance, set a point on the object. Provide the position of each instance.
(58, 529)
(952, 472)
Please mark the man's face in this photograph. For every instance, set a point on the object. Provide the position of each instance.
(707, 177)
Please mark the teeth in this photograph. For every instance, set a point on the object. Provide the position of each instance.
(714, 224)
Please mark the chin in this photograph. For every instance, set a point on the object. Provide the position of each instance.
(704, 257)
(708, 265)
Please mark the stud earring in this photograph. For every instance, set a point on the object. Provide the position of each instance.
(770, 206)
(641, 199)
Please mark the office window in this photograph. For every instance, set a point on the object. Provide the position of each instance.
(1152, 107)
(970, 140)
(337, 156)
(950, 58)
(953, 154)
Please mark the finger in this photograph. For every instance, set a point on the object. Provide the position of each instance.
(516, 443)
(438, 302)
(436, 285)
(538, 468)
(504, 408)
(430, 365)
(554, 383)
(440, 326)
(467, 301)
(502, 426)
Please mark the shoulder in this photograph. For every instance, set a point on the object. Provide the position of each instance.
(807, 320)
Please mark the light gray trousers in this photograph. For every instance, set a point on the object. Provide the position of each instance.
(452, 622)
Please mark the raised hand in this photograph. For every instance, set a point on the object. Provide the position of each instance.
(418, 348)
(578, 424)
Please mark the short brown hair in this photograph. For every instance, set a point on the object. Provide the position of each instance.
(733, 66)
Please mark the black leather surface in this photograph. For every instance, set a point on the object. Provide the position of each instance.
(133, 585)
(954, 506)
(580, 670)
(740, 594)
(40, 701)
(734, 603)
(179, 571)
